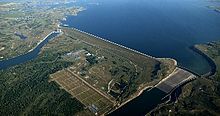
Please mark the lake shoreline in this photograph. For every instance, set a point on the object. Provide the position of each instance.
(208, 59)
(143, 89)
(147, 88)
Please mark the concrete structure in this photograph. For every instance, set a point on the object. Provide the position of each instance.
(175, 79)
(115, 43)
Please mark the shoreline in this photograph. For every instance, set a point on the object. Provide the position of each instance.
(209, 60)
(139, 92)
(127, 48)
(146, 88)
(42, 40)
(53, 32)
(105, 40)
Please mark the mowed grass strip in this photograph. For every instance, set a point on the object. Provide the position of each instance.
(81, 91)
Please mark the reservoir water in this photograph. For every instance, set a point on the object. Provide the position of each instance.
(161, 28)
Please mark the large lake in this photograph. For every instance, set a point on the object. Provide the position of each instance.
(161, 28)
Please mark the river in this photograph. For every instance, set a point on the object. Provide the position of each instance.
(27, 56)
(144, 103)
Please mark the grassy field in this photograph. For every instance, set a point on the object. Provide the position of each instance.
(200, 97)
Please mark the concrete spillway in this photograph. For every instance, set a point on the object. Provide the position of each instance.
(174, 80)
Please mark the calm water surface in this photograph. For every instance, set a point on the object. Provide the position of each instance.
(139, 106)
(161, 28)
(28, 56)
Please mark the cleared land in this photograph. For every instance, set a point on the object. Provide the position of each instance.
(81, 90)
(114, 73)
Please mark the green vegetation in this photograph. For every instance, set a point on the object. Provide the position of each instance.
(33, 22)
(121, 66)
(25, 89)
(200, 97)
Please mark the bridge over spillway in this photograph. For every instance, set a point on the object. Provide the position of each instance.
(175, 79)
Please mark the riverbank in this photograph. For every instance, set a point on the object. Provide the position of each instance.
(33, 53)
(147, 88)
(41, 41)
(25, 21)
(25, 90)
(187, 77)
(53, 32)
